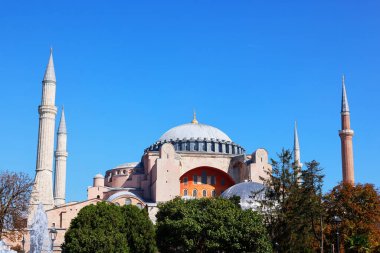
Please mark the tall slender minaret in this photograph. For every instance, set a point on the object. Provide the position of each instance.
(296, 149)
(43, 181)
(60, 163)
(346, 135)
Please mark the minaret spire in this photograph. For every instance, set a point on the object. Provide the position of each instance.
(62, 122)
(60, 162)
(345, 107)
(49, 72)
(296, 149)
(346, 135)
(43, 181)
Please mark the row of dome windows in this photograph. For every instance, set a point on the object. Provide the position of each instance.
(204, 193)
(204, 179)
(117, 172)
(216, 147)
(128, 201)
(207, 146)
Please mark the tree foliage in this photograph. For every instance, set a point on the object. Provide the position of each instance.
(209, 225)
(292, 205)
(139, 229)
(109, 228)
(15, 190)
(359, 208)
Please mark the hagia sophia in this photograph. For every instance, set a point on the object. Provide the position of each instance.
(192, 160)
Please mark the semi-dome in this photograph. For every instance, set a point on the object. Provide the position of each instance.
(249, 193)
(194, 131)
(123, 194)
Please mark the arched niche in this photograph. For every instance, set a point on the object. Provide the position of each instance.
(204, 181)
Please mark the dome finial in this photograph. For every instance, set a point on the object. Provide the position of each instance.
(194, 121)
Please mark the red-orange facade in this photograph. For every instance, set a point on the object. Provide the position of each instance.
(204, 182)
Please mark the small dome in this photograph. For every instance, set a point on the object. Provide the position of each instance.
(195, 131)
(123, 194)
(246, 192)
(99, 176)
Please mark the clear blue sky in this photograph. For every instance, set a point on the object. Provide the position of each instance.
(127, 71)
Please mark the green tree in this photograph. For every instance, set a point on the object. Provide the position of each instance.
(292, 205)
(105, 227)
(209, 225)
(359, 208)
(139, 229)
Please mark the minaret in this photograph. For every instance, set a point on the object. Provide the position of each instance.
(43, 181)
(296, 149)
(346, 140)
(60, 163)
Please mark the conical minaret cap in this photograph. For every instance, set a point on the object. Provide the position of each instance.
(62, 123)
(297, 151)
(50, 73)
(296, 142)
(345, 107)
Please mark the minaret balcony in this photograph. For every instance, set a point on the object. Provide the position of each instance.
(47, 109)
(346, 132)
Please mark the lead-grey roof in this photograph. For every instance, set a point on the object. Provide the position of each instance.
(123, 194)
(249, 193)
(50, 73)
(195, 131)
(345, 107)
(62, 123)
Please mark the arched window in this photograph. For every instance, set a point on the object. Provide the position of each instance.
(139, 205)
(204, 193)
(213, 181)
(185, 192)
(116, 203)
(196, 147)
(204, 177)
(195, 193)
(128, 201)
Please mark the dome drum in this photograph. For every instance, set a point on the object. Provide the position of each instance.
(199, 145)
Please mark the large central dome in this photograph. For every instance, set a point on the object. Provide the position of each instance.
(195, 137)
(194, 131)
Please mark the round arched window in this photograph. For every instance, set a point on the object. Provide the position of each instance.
(128, 201)
(204, 193)
(195, 193)
(139, 205)
(185, 192)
